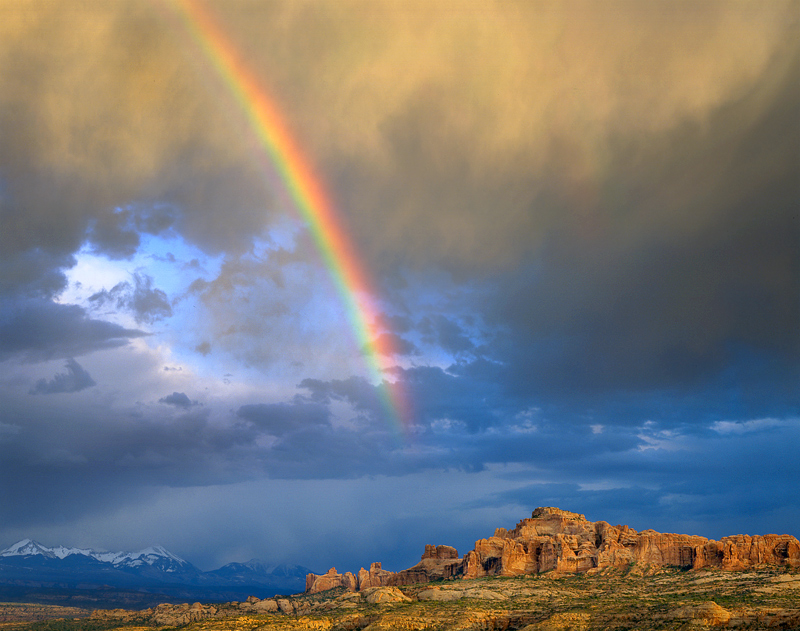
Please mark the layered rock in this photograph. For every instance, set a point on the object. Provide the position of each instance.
(331, 579)
(553, 539)
(437, 562)
(374, 577)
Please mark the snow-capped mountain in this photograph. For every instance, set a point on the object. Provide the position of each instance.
(153, 570)
(153, 556)
(31, 563)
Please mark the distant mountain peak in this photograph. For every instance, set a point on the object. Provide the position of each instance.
(153, 568)
(149, 556)
(27, 547)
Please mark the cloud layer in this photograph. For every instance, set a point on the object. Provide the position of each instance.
(581, 223)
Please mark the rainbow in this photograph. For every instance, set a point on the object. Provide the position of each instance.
(309, 197)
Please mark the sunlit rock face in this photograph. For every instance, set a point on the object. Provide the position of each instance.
(553, 539)
(557, 540)
(331, 579)
(365, 579)
(437, 562)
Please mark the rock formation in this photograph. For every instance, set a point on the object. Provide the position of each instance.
(437, 562)
(555, 539)
(375, 577)
(323, 582)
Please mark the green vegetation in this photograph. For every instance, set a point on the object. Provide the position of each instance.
(648, 598)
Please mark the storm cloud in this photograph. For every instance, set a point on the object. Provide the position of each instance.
(40, 329)
(74, 380)
(580, 225)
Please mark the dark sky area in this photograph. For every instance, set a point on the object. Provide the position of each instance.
(582, 223)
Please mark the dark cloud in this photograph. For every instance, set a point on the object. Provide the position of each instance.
(131, 155)
(460, 394)
(581, 222)
(673, 294)
(148, 304)
(608, 472)
(356, 391)
(113, 235)
(659, 487)
(74, 380)
(121, 460)
(399, 324)
(40, 329)
(178, 399)
(445, 333)
(116, 234)
(34, 273)
(204, 348)
(279, 419)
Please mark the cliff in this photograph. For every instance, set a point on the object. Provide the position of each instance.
(555, 539)
(552, 539)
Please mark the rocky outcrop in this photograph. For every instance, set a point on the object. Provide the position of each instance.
(374, 577)
(442, 553)
(554, 539)
(437, 562)
(166, 615)
(323, 582)
(177, 615)
(705, 614)
(382, 595)
(566, 542)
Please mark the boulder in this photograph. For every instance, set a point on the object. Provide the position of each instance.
(167, 615)
(378, 595)
(440, 594)
(285, 605)
(266, 606)
(708, 613)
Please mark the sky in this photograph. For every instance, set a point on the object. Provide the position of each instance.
(577, 225)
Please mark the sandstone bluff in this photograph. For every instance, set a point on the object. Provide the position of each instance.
(564, 542)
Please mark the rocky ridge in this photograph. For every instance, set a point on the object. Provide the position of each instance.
(567, 543)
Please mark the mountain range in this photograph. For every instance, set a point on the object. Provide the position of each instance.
(135, 578)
